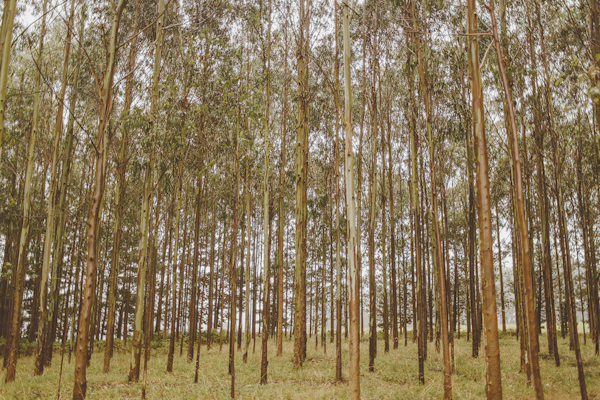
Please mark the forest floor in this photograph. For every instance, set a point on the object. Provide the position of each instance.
(395, 375)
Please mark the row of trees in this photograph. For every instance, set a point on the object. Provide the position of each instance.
(153, 212)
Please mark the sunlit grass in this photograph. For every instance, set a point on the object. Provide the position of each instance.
(395, 375)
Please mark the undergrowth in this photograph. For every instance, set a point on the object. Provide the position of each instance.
(395, 375)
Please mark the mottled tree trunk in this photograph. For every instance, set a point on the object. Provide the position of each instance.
(80, 385)
(524, 236)
(12, 342)
(301, 184)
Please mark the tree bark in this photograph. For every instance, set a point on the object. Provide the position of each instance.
(10, 10)
(12, 343)
(134, 365)
(437, 252)
(266, 212)
(282, 182)
(336, 177)
(353, 239)
(80, 386)
(301, 184)
(44, 350)
(492, 348)
(119, 200)
(525, 244)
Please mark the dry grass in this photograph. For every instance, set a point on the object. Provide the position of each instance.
(395, 376)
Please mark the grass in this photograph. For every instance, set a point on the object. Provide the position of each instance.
(395, 375)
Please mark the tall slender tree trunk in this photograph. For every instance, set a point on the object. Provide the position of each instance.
(391, 194)
(542, 197)
(419, 296)
(568, 274)
(174, 261)
(492, 348)
(336, 177)
(359, 178)
(134, 365)
(9, 12)
(44, 336)
(232, 269)
(281, 221)
(525, 244)
(248, 242)
(301, 184)
(386, 325)
(119, 200)
(193, 306)
(266, 212)
(211, 279)
(373, 204)
(80, 386)
(500, 273)
(437, 242)
(12, 343)
(353, 239)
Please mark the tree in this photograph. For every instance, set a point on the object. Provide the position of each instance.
(120, 199)
(437, 252)
(529, 302)
(301, 184)
(492, 348)
(12, 344)
(136, 346)
(266, 217)
(353, 240)
(80, 385)
(8, 18)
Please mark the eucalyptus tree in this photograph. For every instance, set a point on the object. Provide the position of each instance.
(121, 162)
(266, 220)
(373, 189)
(353, 240)
(134, 364)
(12, 342)
(523, 233)
(336, 177)
(6, 31)
(105, 94)
(282, 185)
(437, 243)
(492, 348)
(45, 331)
(302, 55)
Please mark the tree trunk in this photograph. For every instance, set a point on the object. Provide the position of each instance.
(174, 261)
(568, 274)
(353, 239)
(391, 194)
(12, 343)
(500, 273)
(437, 253)
(542, 197)
(373, 203)
(283, 160)
(248, 242)
(232, 270)
(301, 184)
(525, 244)
(80, 385)
(266, 212)
(134, 373)
(492, 348)
(419, 296)
(119, 200)
(44, 350)
(10, 10)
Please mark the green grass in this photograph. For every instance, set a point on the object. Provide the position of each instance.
(395, 375)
